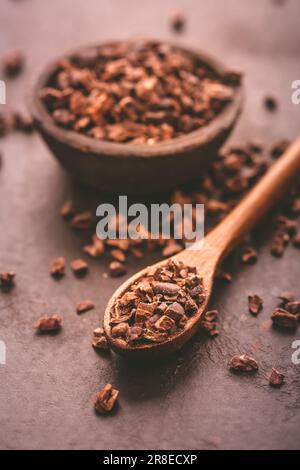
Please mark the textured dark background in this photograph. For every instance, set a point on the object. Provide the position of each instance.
(189, 400)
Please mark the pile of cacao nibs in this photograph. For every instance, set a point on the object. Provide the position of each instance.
(157, 306)
(142, 92)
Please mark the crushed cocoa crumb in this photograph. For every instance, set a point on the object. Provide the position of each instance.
(79, 267)
(48, 324)
(106, 399)
(7, 280)
(243, 363)
(255, 304)
(57, 267)
(84, 306)
(276, 378)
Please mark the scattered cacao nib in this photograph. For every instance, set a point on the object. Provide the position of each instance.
(122, 95)
(270, 103)
(178, 21)
(296, 241)
(224, 276)
(209, 323)
(276, 378)
(106, 399)
(99, 339)
(57, 267)
(68, 210)
(49, 324)
(84, 306)
(255, 304)
(243, 363)
(279, 148)
(7, 280)
(79, 267)
(278, 245)
(96, 248)
(83, 221)
(287, 225)
(13, 63)
(153, 309)
(282, 318)
(295, 207)
(118, 255)
(249, 255)
(117, 269)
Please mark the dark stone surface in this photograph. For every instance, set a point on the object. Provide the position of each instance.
(189, 400)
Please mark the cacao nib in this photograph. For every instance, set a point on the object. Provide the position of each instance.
(99, 339)
(106, 399)
(84, 306)
(13, 63)
(79, 267)
(117, 269)
(243, 363)
(68, 210)
(57, 267)
(49, 324)
(7, 280)
(276, 378)
(255, 304)
(284, 319)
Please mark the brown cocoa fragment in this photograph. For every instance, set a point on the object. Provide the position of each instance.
(279, 148)
(271, 103)
(276, 378)
(7, 280)
(249, 255)
(83, 221)
(243, 363)
(79, 267)
(49, 324)
(284, 319)
(99, 339)
(118, 255)
(96, 248)
(84, 306)
(117, 269)
(224, 276)
(57, 267)
(255, 304)
(296, 241)
(68, 210)
(13, 63)
(106, 399)
(178, 21)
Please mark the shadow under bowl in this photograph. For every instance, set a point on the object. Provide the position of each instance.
(129, 168)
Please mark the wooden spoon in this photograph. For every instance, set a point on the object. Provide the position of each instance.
(207, 254)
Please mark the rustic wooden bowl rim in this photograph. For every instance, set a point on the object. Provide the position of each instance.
(87, 144)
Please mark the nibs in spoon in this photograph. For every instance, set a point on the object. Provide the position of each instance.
(206, 257)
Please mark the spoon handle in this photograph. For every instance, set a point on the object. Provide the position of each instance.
(256, 203)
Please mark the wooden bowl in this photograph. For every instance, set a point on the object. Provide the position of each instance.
(129, 168)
